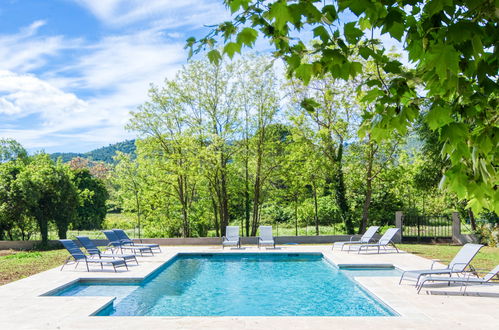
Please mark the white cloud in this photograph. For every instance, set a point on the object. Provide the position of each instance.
(26, 50)
(169, 12)
(63, 117)
(24, 94)
(85, 99)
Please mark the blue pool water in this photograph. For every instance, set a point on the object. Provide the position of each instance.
(239, 285)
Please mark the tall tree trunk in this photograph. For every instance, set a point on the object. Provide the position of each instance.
(296, 215)
(224, 201)
(247, 199)
(472, 219)
(215, 214)
(62, 232)
(257, 191)
(256, 204)
(340, 189)
(182, 194)
(369, 190)
(137, 204)
(43, 226)
(316, 210)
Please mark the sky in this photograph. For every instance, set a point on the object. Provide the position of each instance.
(72, 70)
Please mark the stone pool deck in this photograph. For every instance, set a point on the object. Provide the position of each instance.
(438, 307)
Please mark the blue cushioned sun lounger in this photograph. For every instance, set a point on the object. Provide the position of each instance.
(115, 243)
(94, 251)
(79, 256)
(123, 237)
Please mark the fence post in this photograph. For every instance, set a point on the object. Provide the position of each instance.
(398, 224)
(456, 227)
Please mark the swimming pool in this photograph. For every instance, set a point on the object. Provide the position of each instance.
(238, 284)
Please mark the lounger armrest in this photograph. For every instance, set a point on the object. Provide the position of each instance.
(434, 261)
(457, 264)
(226, 239)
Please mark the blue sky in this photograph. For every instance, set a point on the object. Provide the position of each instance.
(71, 70)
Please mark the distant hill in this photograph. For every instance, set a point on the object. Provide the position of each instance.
(104, 154)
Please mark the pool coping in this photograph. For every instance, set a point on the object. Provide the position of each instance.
(434, 309)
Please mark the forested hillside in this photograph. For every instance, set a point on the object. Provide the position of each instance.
(104, 154)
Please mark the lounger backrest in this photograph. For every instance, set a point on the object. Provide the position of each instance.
(368, 235)
(464, 256)
(266, 233)
(73, 249)
(88, 244)
(232, 233)
(388, 236)
(491, 274)
(111, 236)
(122, 236)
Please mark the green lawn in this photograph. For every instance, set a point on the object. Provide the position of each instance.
(487, 258)
(17, 265)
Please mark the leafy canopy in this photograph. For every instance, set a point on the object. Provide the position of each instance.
(452, 44)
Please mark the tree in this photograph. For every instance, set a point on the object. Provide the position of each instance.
(332, 117)
(131, 183)
(11, 150)
(12, 205)
(93, 196)
(49, 194)
(452, 45)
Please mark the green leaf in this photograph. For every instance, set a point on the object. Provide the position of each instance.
(304, 72)
(247, 37)
(397, 30)
(434, 6)
(393, 67)
(442, 58)
(281, 14)
(439, 116)
(309, 104)
(234, 5)
(231, 48)
(214, 56)
(352, 34)
(322, 33)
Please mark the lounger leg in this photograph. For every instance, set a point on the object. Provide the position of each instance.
(401, 277)
(86, 263)
(65, 262)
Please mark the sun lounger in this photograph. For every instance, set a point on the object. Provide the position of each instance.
(231, 237)
(266, 237)
(463, 280)
(365, 239)
(123, 237)
(79, 256)
(94, 251)
(383, 242)
(456, 266)
(115, 243)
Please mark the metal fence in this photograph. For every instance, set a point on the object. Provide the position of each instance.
(427, 226)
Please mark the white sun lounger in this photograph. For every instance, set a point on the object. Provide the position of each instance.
(266, 237)
(366, 238)
(383, 242)
(457, 265)
(231, 237)
(463, 280)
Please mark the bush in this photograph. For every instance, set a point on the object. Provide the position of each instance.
(488, 234)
